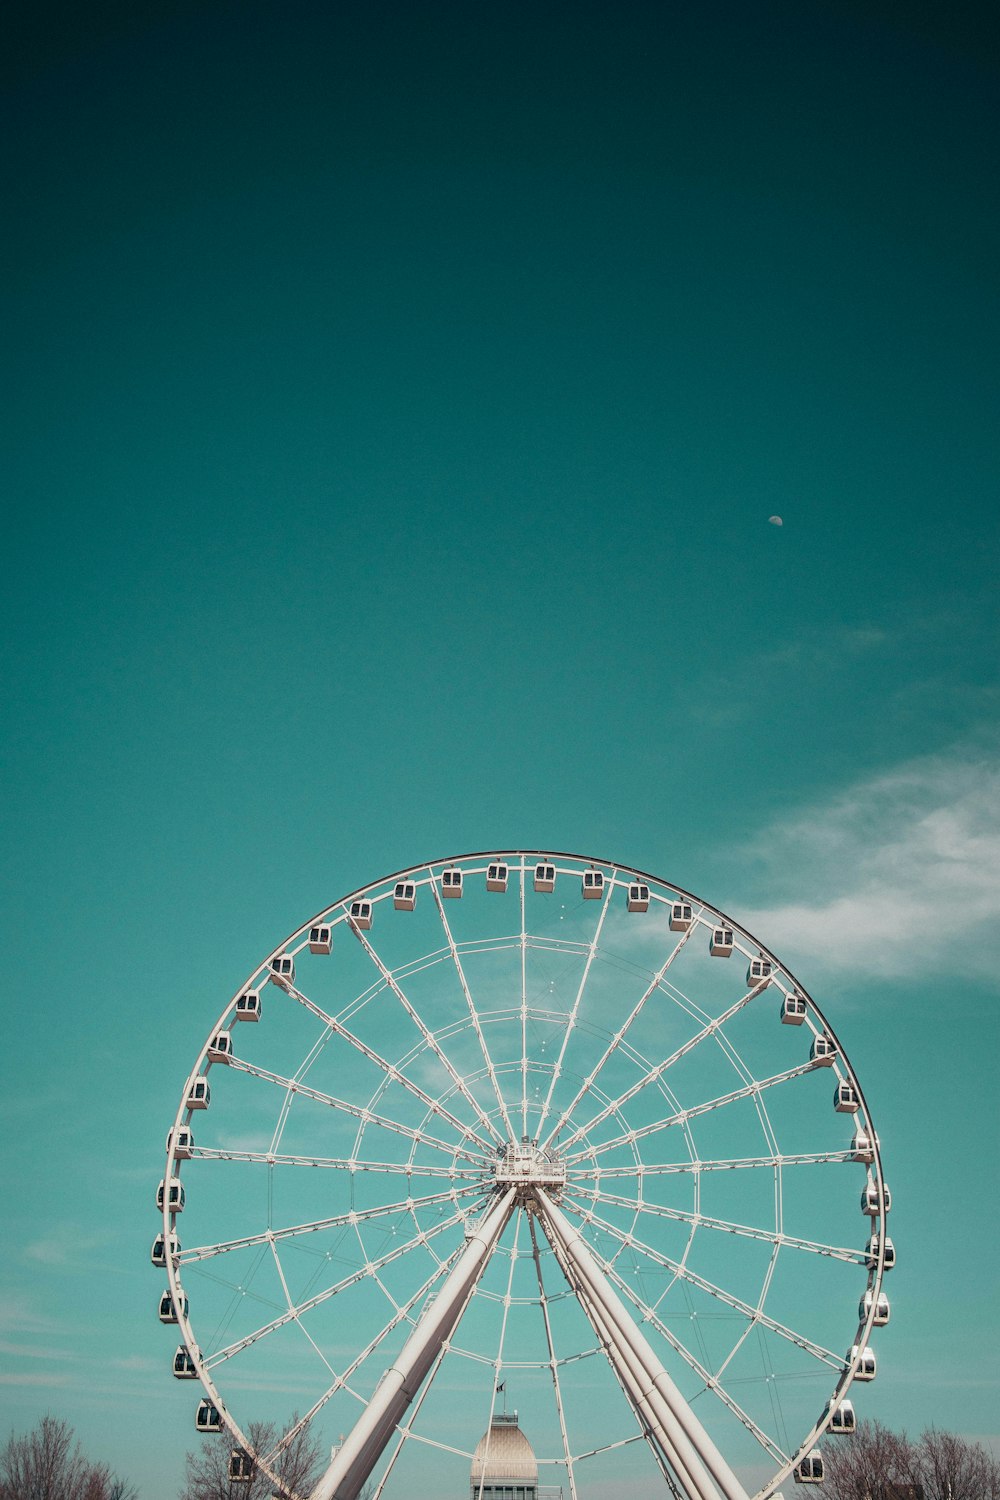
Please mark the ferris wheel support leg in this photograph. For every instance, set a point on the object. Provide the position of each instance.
(702, 1469)
(362, 1448)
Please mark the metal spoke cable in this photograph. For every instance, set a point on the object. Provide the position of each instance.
(553, 1362)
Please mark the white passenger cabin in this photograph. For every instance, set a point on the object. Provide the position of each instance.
(809, 1470)
(862, 1146)
(822, 1052)
(842, 1419)
(881, 1317)
(497, 875)
(720, 944)
(360, 915)
(208, 1418)
(220, 1048)
(179, 1143)
(175, 1195)
(451, 884)
(321, 938)
(199, 1095)
(240, 1467)
(545, 878)
(161, 1249)
(184, 1366)
(593, 885)
(168, 1312)
(681, 916)
(637, 896)
(793, 1009)
(282, 970)
(248, 1006)
(871, 1253)
(845, 1099)
(759, 972)
(404, 895)
(866, 1364)
(869, 1200)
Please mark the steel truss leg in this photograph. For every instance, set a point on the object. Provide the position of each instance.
(361, 1450)
(700, 1468)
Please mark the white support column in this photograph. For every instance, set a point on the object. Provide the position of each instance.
(361, 1450)
(700, 1466)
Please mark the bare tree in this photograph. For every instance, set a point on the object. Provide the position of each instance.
(952, 1468)
(865, 1464)
(296, 1459)
(46, 1464)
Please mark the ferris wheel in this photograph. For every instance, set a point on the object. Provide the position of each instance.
(525, 1126)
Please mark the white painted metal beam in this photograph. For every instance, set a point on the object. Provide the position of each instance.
(700, 1467)
(362, 1448)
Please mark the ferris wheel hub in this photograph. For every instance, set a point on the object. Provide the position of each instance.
(526, 1165)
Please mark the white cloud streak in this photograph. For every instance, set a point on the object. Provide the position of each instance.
(898, 876)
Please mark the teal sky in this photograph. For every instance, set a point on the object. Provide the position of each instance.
(395, 401)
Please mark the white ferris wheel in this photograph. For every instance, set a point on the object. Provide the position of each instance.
(505, 1126)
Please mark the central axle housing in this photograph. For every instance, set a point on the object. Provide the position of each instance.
(526, 1165)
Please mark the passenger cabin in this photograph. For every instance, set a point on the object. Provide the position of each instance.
(866, 1364)
(168, 1312)
(175, 1195)
(240, 1467)
(869, 1200)
(871, 1253)
(220, 1048)
(842, 1419)
(593, 885)
(179, 1143)
(545, 878)
(759, 972)
(161, 1248)
(845, 1099)
(881, 1317)
(681, 916)
(321, 938)
(207, 1418)
(822, 1052)
(184, 1366)
(451, 884)
(199, 1095)
(862, 1146)
(793, 1009)
(496, 877)
(404, 895)
(248, 1006)
(637, 896)
(720, 944)
(361, 915)
(282, 969)
(809, 1470)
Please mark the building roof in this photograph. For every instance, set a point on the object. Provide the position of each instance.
(504, 1455)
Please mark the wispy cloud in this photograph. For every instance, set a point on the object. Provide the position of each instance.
(29, 1379)
(64, 1247)
(898, 875)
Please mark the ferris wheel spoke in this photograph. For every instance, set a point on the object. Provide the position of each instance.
(653, 1074)
(428, 1036)
(615, 1041)
(720, 1164)
(703, 1221)
(756, 1314)
(402, 1313)
(553, 1361)
(524, 1008)
(571, 1019)
(650, 1315)
(359, 1112)
(749, 1091)
(473, 1012)
(336, 1221)
(388, 1068)
(335, 1163)
(296, 1312)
